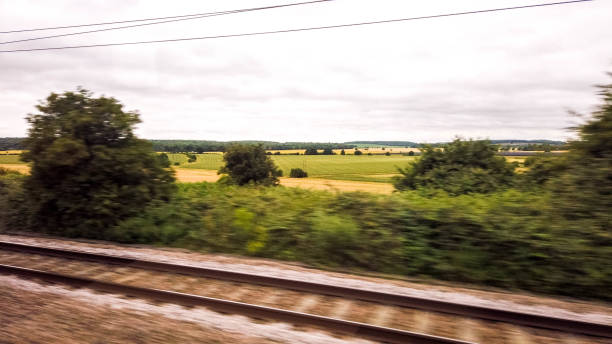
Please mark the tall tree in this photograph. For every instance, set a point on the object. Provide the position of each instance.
(89, 170)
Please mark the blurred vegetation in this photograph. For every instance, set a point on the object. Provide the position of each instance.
(510, 239)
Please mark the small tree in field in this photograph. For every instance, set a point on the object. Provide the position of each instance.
(342, 152)
(246, 164)
(88, 169)
(298, 173)
(328, 151)
(358, 152)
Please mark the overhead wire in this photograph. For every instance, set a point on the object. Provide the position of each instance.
(199, 16)
(146, 19)
(299, 29)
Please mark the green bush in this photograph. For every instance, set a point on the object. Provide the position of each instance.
(461, 167)
(13, 207)
(298, 173)
(311, 151)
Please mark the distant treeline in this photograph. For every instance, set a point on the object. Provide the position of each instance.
(386, 143)
(10, 143)
(201, 146)
(197, 146)
(521, 145)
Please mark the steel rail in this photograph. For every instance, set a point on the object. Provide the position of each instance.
(487, 313)
(352, 328)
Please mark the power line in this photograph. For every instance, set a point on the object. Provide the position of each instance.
(211, 14)
(297, 30)
(139, 20)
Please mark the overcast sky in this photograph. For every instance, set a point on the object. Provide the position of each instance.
(513, 74)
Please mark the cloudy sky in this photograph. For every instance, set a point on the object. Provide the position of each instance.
(512, 74)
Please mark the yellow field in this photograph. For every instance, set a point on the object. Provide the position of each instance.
(188, 175)
(337, 185)
(11, 152)
(22, 168)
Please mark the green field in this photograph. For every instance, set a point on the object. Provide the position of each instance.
(369, 168)
(10, 159)
(375, 168)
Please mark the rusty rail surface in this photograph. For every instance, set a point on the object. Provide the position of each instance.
(480, 312)
(360, 330)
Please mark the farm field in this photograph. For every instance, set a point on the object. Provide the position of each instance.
(369, 168)
(322, 169)
(21, 167)
(10, 159)
(191, 175)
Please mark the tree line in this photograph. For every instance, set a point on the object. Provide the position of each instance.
(199, 146)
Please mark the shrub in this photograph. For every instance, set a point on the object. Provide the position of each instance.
(461, 167)
(358, 152)
(13, 206)
(191, 157)
(506, 239)
(298, 173)
(249, 164)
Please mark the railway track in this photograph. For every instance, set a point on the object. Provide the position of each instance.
(355, 312)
